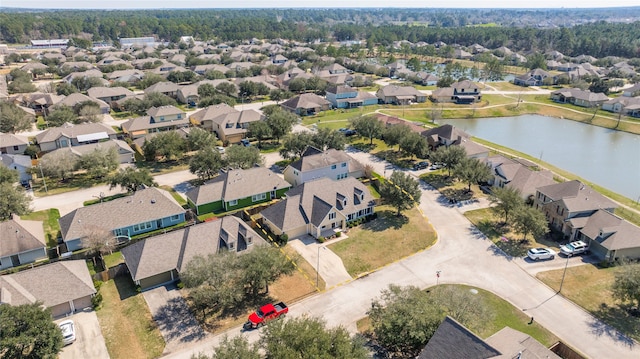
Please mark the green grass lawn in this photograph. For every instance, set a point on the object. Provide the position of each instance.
(49, 217)
(126, 323)
(384, 240)
(181, 201)
(590, 287)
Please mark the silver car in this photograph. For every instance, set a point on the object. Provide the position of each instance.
(573, 248)
(68, 331)
(537, 254)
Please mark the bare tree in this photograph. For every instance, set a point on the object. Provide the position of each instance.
(98, 242)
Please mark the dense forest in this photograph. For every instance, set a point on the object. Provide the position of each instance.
(599, 33)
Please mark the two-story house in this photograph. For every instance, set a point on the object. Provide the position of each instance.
(568, 205)
(314, 164)
(519, 175)
(158, 119)
(343, 96)
(535, 77)
(144, 211)
(237, 189)
(21, 242)
(319, 208)
(73, 135)
(462, 92)
(399, 95)
(610, 237)
(229, 124)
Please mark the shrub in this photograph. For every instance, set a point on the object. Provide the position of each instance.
(180, 285)
(321, 239)
(96, 301)
(338, 234)
(97, 284)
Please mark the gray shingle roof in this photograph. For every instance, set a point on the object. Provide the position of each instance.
(313, 158)
(577, 196)
(10, 140)
(18, 235)
(145, 205)
(454, 340)
(73, 131)
(164, 111)
(305, 101)
(611, 231)
(144, 123)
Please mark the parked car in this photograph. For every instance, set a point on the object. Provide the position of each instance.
(245, 142)
(68, 331)
(574, 248)
(420, 165)
(537, 254)
(220, 149)
(347, 131)
(265, 314)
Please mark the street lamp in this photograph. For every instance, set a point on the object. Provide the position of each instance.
(563, 274)
(438, 277)
(318, 266)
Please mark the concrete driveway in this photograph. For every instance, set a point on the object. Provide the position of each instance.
(89, 340)
(174, 319)
(331, 267)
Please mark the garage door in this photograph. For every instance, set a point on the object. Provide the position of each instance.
(155, 281)
(81, 303)
(61, 310)
(297, 232)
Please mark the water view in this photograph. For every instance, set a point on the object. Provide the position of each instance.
(606, 157)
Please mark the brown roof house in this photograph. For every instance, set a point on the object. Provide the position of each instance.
(158, 260)
(144, 211)
(319, 208)
(229, 124)
(568, 205)
(237, 189)
(314, 164)
(158, 119)
(125, 153)
(73, 135)
(448, 135)
(21, 242)
(64, 287)
(109, 94)
(513, 174)
(462, 92)
(400, 95)
(610, 237)
(578, 97)
(306, 104)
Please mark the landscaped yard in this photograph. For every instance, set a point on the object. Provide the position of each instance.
(590, 287)
(504, 315)
(126, 323)
(384, 240)
(450, 187)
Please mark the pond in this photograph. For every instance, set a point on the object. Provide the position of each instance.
(606, 157)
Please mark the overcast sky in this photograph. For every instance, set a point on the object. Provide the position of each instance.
(154, 4)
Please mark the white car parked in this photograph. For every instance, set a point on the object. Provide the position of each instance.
(537, 254)
(68, 331)
(574, 248)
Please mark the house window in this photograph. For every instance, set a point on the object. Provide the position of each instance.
(233, 203)
(333, 167)
(344, 164)
(332, 215)
(230, 245)
(15, 148)
(259, 197)
(161, 118)
(179, 116)
(142, 226)
(344, 202)
(175, 217)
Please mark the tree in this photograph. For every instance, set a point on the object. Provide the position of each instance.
(626, 285)
(505, 200)
(449, 156)
(99, 162)
(168, 145)
(206, 90)
(401, 191)
(13, 119)
(260, 130)
(200, 138)
(367, 126)
(8, 176)
(98, 241)
(13, 200)
(536, 61)
(206, 163)
(599, 85)
(59, 164)
(325, 138)
(294, 145)
(414, 144)
(89, 112)
(131, 179)
(530, 220)
(280, 122)
(262, 266)
(227, 88)
(28, 332)
(243, 157)
(493, 70)
(61, 115)
(393, 135)
(309, 338)
(471, 170)
(276, 95)
(237, 347)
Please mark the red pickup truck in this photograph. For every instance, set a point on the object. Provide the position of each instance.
(265, 314)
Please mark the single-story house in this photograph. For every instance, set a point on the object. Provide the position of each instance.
(306, 104)
(342, 96)
(12, 144)
(158, 260)
(314, 164)
(64, 287)
(399, 95)
(158, 119)
(166, 88)
(78, 98)
(109, 94)
(319, 208)
(21, 242)
(237, 189)
(73, 135)
(388, 121)
(462, 92)
(611, 237)
(144, 211)
(229, 124)
(578, 97)
(125, 153)
(20, 163)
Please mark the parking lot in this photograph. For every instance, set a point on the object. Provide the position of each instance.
(89, 340)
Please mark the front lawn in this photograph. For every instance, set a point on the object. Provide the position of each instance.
(126, 323)
(49, 217)
(590, 287)
(181, 201)
(451, 188)
(384, 240)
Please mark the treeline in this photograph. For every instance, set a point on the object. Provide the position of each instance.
(378, 28)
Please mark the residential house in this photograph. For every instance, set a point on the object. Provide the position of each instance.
(445, 135)
(19, 163)
(462, 92)
(626, 105)
(73, 135)
(109, 94)
(203, 69)
(578, 97)
(91, 73)
(388, 121)
(77, 98)
(12, 144)
(189, 93)
(399, 95)
(64, 287)
(427, 79)
(237, 188)
(568, 205)
(396, 69)
(306, 104)
(158, 119)
(314, 164)
(632, 91)
(343, 96)
(166, 88)
(508, 173)
(610, 237)
(159, 260)
(229, 124)
(125, 153)
(21, 242)
(319, 208)
(144, 211)
(535, 77)
(461, 54)
(38, 102)
(125, 76)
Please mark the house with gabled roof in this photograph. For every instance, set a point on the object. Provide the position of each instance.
(535, 77)
(399, 95)
(109, 94)
(20, 163)
(64, 287)
(314, 164)
(461, 92)
(568, 205)
(578, 97)
(229, 124)
(306, 104)
(159, 260)
(77, 98)
(124, 152)
(610, 237)
(237, 188)
(144, 211)
(12, 144)
(343, 96)
(73, 135)
(319, 208)
(158, 119)
(166, 88)
(508, 173)
(21, 242)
